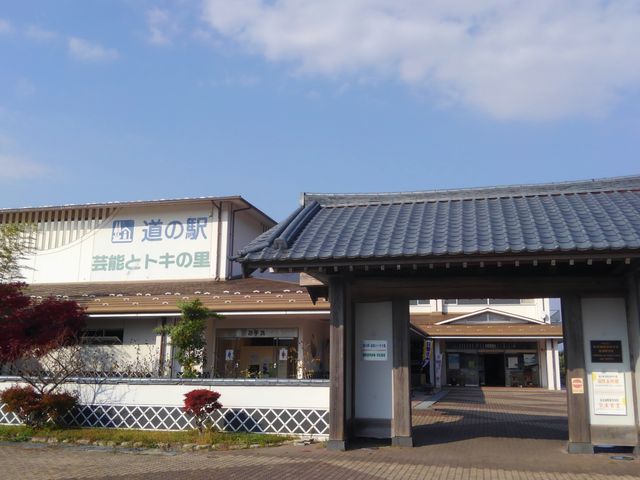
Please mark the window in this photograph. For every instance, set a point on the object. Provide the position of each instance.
(420, 302)
(472, 301)
(489, 301)
(103, 336)
(256, 353)
(504, 301)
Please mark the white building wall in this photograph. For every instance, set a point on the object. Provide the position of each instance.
(245, 229)
(277, 396)
(605, 319)
(119, 243)
(140, 346)
(537, 308)
(373, 379)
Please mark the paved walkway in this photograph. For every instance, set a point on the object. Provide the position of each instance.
(469, 434)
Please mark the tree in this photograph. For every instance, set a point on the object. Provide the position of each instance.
(188, 336)
(41, 339)
(16, 241)
(201, 403)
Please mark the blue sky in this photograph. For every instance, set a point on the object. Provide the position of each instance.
(128, 100)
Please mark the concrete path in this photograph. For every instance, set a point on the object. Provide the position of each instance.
(470, 434)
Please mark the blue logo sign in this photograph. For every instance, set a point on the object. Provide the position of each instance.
(122, 231)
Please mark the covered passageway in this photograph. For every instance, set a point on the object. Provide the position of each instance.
(371, 254)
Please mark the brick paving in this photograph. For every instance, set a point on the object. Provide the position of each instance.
(470, 434)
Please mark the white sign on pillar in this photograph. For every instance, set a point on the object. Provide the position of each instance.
(374, 350)
(608, 366)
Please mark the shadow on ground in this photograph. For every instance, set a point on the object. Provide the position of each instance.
(476, 413)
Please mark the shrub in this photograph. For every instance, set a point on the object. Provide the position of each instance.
(25, 403)
(188, 336)
(36, 409)
(56, 405)
(201, 403)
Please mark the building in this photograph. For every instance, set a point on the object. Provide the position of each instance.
(131, 264)
(488, 342)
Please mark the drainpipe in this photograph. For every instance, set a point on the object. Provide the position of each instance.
(219, 238)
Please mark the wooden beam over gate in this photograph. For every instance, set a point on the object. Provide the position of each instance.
(386, 288)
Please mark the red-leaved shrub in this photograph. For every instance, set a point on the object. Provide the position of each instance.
(36, 409)
(31, 329)
(201, 403)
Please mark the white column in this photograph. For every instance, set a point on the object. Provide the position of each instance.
(543, 359)
(556, 364)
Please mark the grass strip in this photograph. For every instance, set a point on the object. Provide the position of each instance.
(148, 439)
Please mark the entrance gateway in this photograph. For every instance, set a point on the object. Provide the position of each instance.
(372, 253)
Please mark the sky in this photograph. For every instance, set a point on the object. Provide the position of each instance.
(116, 100)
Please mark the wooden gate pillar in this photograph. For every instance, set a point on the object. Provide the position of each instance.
(401, 431)
(339, 301)
(633, 332)
(577, 393)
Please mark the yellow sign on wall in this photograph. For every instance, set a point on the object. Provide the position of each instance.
(609, 393)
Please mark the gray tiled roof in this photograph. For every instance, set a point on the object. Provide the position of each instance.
(599, 215)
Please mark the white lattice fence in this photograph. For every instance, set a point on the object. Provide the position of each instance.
(149, 417)
(7, 418)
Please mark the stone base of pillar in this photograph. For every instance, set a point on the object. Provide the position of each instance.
(577, 447)
(402, 442)
(337, 445)
(636, 451)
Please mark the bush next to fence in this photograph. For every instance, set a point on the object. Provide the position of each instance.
(37, 409)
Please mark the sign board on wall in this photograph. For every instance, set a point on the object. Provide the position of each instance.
(375, 350)
(169, 242)
(577, 385)
(609, 393)
(257, 332)
(157, 244)
(606, 351)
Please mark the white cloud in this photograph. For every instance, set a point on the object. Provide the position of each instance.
(519, 59)
(90, 52)
(162, 26)
(14, 167)
(5, 27)
(35, 32)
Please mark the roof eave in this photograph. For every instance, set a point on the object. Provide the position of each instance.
(548, 256)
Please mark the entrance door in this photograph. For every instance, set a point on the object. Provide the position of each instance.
(494, 369)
